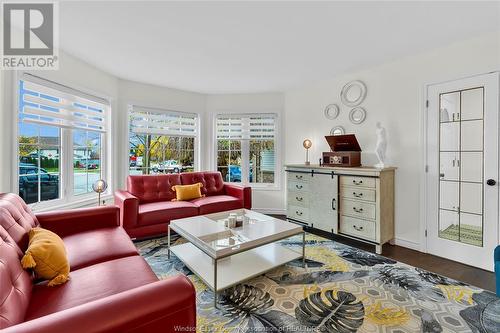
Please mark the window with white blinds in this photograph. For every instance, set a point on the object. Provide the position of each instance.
(61, 141)
(246, 127)
(48, 103)
(163, 122)
(162, 141)
(246, 148)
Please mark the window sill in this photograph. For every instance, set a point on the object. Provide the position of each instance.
(259, 187)
(87, 201)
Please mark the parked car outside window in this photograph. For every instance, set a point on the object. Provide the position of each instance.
(31, 178)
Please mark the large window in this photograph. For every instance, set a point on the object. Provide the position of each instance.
(246, 146)
(60, 140)
(161, 141)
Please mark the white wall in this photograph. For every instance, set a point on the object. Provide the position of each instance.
(396, 99)
(264, 200)
(5, 175)
(79, 75)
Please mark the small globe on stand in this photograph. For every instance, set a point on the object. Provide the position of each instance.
(99, 186)
(307, 144)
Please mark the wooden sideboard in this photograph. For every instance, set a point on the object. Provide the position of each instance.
(355, 202)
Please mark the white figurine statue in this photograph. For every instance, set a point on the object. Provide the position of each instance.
(381, 147)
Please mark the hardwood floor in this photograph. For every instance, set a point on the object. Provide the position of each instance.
(455, 270)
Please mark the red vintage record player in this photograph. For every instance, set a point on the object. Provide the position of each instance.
(345, 151)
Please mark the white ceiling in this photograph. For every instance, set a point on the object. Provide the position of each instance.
(243, 47)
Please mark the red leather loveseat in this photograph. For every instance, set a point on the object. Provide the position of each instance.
(111, 288)
(146, 207)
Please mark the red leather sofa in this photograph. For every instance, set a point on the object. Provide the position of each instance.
(111, 288)
(146, 207)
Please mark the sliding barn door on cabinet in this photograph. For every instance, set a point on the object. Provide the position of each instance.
(324, 201)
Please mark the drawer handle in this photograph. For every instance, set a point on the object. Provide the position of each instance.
(299, 199)
(298, 176)
(357, 210)
(358, 228)
(357, 195)
(356, 182)
(299, 186)
(298, 213)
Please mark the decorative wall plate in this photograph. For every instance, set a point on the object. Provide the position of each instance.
(353, 93)
(357, 115)
(337, 130)
(332, 111)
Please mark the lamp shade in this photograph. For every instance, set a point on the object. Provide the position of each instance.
(99, 186)
(307, 143)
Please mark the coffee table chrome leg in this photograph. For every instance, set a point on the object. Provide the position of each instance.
(215, 283)
(168, 241)
(304, 249)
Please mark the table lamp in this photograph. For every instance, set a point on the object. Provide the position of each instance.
(99, 187)
(307, 144)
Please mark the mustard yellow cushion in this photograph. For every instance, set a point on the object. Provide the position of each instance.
(187, 192)
(46, 254)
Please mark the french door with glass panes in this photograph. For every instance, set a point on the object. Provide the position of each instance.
(462, 192)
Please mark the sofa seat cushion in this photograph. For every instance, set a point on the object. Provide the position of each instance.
(217, 203)
(165, 211)
(89, 284)
(96, 246)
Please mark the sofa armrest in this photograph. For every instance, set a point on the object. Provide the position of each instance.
(66, 222)
(129, 208)
(163, 306)
(244, 193)
(497, 253)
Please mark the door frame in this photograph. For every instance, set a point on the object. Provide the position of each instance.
(424, 176)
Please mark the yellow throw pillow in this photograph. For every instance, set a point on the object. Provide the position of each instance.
(46, 254)
(187, 192)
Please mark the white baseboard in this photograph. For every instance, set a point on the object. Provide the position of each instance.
(407, 243)
(273, 211)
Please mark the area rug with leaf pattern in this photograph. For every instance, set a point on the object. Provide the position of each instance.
(341, 289)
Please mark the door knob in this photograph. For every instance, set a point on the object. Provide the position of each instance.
(491, 182)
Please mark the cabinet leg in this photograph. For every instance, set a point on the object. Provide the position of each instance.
(378, 249)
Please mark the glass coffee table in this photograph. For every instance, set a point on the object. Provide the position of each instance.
(223, 257)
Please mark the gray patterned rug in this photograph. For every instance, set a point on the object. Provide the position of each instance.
(341, 289)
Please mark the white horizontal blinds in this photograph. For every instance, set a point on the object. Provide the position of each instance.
(163, 122)
(246, 127)
(46, 102)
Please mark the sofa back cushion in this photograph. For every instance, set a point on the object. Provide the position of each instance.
(16, 283)
(152, 188)
(211, 180)
(17, 219)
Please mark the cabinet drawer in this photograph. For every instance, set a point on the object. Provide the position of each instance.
(357, 193)
(357, 181)
(298, 186)
(298, 198)
(357, 209)
(298, 176)
(356, 227)
(298, 213)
